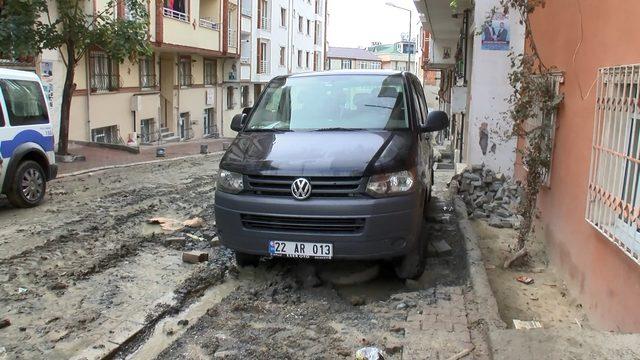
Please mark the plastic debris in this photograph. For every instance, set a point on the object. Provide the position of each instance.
(525, 279)
(525, 325)
(370, 353)
(22, 290)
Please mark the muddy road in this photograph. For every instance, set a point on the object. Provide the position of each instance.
(85, 276)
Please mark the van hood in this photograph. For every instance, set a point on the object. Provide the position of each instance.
(320, 153)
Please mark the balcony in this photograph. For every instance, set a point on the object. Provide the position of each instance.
(209, 23)
(263, 67)
(170, 13)
(264, 23)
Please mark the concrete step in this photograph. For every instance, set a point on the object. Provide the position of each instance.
(164, 130)
(171, 139)
(166, 135)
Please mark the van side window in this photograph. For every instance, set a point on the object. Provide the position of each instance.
(25, 102)
(1, 114)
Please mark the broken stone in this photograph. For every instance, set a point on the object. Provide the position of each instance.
(183, 322)
(196, 222)
(4, 323)
(194, 257)
(401, 306)
(477, 214)
(175, 242)
(495, 221)
(503, 213)
(356, 301)
(59, 286)
(442, 248)
(471, 176)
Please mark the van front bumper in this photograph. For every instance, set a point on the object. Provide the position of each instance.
(390, 226)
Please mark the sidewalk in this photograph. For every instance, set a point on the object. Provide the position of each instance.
(99, 157)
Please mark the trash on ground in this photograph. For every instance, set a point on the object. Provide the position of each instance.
(4, 323)
(462, 353)
(195, 237)
(196, 222)
(525, 279)
(194, 257)
(166, 224)
(525, 325)
(370, 353)
(22, 290)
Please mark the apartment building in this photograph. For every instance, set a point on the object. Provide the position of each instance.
(176, 94)
(396, 56)
(351, 58)
(277, 37)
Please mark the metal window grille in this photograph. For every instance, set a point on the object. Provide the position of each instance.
(545, 122)
(147, 73)
(613, 202)
(184, 72)
(104, 72)
(209, 72)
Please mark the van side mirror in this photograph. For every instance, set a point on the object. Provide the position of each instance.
(237, 123)
(247, 110)
(436, 121)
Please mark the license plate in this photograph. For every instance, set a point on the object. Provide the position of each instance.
(300, 249)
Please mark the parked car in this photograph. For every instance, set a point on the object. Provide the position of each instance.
(27, 160)
(332, 165)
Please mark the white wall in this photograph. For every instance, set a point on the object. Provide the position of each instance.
(489, 89)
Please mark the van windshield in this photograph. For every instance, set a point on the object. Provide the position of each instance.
(332, 102)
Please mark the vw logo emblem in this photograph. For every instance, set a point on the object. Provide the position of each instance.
(301, 189)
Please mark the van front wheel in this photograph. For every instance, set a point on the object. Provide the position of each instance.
(28, 185)
(412, 265)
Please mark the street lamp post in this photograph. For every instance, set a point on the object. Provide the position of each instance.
(410, 20)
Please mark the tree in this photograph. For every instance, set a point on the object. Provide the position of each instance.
(73, 27)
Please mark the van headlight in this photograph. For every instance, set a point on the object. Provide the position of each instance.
(230, 182)
(391, 183)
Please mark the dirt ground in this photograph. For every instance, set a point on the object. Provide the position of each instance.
(546, 300)
(85, 276)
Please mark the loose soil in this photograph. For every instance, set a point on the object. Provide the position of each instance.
(546, 300)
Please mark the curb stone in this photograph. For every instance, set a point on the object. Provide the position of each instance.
(486, 301)
(120, 166)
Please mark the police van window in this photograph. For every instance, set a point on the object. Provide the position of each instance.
(1, 114)
(24, 102)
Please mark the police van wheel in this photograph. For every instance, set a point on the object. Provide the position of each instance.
(28, 185)
(244, 260)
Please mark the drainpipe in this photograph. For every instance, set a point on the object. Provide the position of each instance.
(88, 80)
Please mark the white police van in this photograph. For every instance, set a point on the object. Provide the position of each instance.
(27, 159)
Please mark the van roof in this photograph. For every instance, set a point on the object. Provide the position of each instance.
(18, 75)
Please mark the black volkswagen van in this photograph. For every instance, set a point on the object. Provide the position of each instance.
(331, 165)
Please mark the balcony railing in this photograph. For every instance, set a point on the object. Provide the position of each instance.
(104, 82)
(209, 24)
(263, 67)
(264, 23)
(232, 41)
(175, 14)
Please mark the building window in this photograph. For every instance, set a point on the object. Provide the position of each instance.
(107, 134)
(184, 71)
(231, 98)
(346, 64)
(147, 72)
(614, 183)
(263, 57)
(263, 15)
(308, 27)
(307, 60)
(245, 96)
(300, 24)
(317, 7)
(176, 9)
(283, 17)
(210, 72)
(104, 72)
(209, 122)
(299, 58)
(282, 56)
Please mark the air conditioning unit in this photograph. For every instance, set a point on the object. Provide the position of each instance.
(136, 103)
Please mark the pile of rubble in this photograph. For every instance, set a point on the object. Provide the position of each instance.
(489, 196)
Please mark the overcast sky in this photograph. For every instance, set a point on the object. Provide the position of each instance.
(356, 23)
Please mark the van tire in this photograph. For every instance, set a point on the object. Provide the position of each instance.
(28, 171)
(412, 265)
(244, 260)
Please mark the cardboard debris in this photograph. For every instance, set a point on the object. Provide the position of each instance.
(196, 222)
(194, 257)
(166, 224)
(525, 279)
(526, 325)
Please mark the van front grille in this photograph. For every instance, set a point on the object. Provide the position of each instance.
(332, 186)
(302, 224)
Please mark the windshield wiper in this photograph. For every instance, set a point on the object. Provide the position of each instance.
(339, 129)
(267, 130)
(378, 106)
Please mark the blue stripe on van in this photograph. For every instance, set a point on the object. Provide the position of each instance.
(7, 147)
